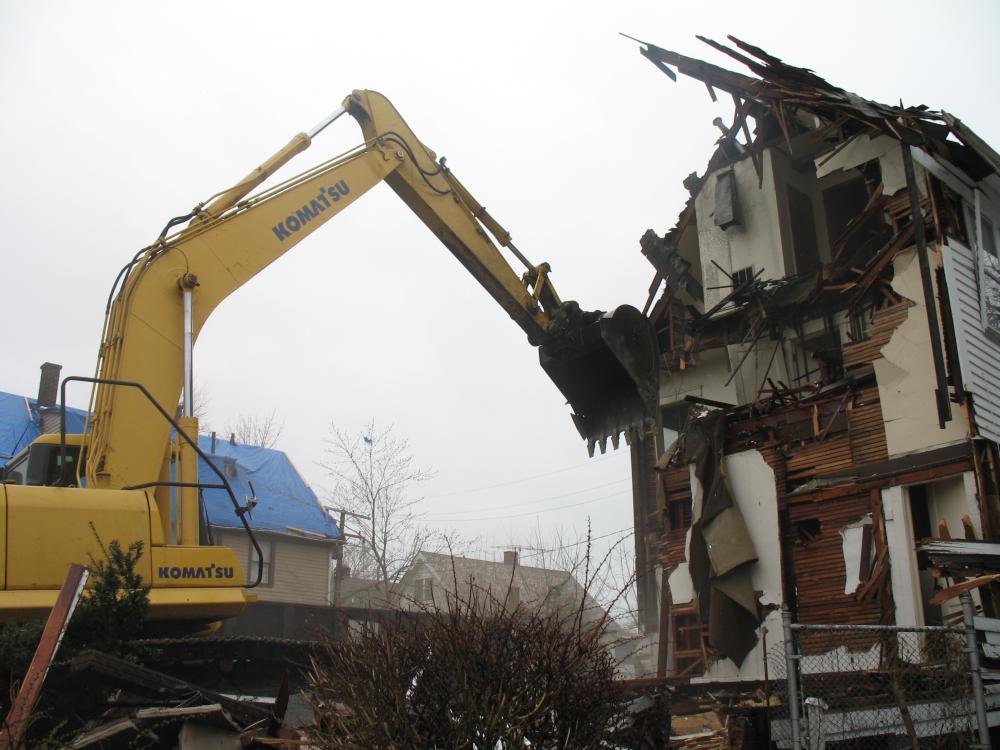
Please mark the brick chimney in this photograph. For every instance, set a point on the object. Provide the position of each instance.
(48, 392)
(48, 384)
(510, 557)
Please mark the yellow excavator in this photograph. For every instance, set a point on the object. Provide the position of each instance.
(133, 474)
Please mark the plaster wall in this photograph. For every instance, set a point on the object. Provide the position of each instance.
(752, 483)
(756, 241)
(905, 373)
(863, 149)
(902, 557)
(706, 379)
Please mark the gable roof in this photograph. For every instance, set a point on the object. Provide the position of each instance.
(285, 503)
(534, 584)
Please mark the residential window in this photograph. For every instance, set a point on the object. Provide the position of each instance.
(424, 589)
(265, 548)
(989, 264)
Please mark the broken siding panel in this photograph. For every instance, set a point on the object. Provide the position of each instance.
(866, 427)
(803, 463)
(978, 354)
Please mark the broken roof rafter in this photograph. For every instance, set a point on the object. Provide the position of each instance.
(780, 85)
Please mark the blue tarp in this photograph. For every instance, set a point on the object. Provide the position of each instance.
(285, 503)
(20, 420)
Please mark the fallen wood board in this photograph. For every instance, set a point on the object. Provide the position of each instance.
(125, 673)
(104, 732)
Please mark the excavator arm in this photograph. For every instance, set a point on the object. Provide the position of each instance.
(234, 237)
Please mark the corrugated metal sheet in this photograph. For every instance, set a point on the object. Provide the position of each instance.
(978, 354)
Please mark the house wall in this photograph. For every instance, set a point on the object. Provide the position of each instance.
(948, 500)
(300, 569)
(754, 491)
(706, 380)
(978, 352)
(905, 373)
(756, 241)
(864, 148)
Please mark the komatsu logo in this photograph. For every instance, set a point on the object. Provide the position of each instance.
(208, 571)
(295, 222)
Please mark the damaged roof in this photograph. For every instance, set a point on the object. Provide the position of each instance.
(775, 95)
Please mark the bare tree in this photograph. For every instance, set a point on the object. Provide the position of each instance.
(604, 564)
(374, 474)
(262, 430)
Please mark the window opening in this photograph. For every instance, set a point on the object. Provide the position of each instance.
(424, 589)
(803, 224)
(689, 657)
(265, 548)
(742, 276)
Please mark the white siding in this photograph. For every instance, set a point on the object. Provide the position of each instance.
(979, 355)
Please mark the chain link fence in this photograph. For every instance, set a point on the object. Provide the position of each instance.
(859, 687)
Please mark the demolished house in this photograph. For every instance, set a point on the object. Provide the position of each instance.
(827, 308)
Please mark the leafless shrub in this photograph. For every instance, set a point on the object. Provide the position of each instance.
(480, 674)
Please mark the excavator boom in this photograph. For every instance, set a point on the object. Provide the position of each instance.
(605, 365)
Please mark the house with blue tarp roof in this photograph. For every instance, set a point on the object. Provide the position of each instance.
(21, 422)
(297, 536)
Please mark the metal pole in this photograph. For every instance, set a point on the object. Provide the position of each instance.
(792, 670)
(188, 283)
(978, 694)
(319, 126)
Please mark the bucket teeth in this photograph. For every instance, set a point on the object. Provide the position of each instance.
(607, 367)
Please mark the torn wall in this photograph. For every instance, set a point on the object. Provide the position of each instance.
(841, 333)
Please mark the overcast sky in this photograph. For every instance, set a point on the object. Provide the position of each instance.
(117, 116)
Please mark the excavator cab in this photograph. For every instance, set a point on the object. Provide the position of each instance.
(46, 462)
(605, 364)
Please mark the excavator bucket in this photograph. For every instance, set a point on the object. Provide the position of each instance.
(606, 366)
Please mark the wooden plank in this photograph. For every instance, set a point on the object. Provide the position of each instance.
(125, 673)
(20, 711)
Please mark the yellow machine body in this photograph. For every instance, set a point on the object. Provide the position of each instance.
(131, 445)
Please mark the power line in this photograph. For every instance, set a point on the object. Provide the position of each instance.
(531, 502)
(591, 462)
(581, 540)
(520, 515)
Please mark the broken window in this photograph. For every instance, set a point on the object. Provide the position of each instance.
(679, 514)
(987, 244)
(843, 203)
(803, 224)
(921, 514)
(742, 276)
(689, 658)
(989, 238)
